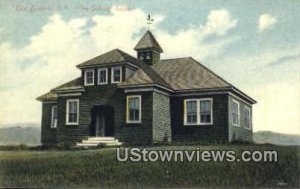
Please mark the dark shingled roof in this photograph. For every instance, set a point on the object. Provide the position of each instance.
(148, 41)
(181, 74)
(113, 56)
(48, 96)
(187, 73)
(148, 75)
(141, 78)
(144, 75)
(116, 56)
(74, 84)
(177, 75)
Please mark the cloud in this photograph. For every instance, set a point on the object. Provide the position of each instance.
(261, 64)
(219, 22)
(52, 54)
(47, 61)
(286, 59)
(266, 21)
(274, 87)
(50, 57)
(191, 41)
(123, 30)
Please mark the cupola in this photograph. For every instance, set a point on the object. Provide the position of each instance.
(148, 49)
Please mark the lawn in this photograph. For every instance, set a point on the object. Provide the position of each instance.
(99, 168)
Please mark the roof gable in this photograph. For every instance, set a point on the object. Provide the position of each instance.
(143, 76)
(148, 41)
(139, 78)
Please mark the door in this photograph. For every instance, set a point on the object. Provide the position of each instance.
(102, 121)
(100, 125)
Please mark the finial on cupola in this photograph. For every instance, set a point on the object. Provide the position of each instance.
(149, 21)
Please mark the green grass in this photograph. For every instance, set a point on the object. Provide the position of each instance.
(99, 168)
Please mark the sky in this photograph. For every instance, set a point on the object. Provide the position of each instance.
(253, 44)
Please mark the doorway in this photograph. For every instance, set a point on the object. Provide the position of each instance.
(102, 121)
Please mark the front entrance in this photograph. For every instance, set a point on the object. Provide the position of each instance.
(100, 125)
(102, 121)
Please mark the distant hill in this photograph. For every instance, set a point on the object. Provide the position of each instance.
(20, 135)
(262, 137)
(31, 135)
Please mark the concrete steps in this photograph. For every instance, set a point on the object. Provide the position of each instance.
(97, 141)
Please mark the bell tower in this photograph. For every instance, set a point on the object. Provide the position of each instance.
(148, 49)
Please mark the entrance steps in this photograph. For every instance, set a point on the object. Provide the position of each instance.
(98, 141)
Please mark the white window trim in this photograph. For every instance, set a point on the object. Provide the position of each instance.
(198, 100)
(99, 70)
(67, 112)
(127, 109)
(112, 74)
(239, 121)
(52, 125)
(85, 77)
(185, 111)
(250, 121)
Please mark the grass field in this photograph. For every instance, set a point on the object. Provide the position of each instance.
(99, 168)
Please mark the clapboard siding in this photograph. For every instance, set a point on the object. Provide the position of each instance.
(140, 132)
(239, 133)
(162, 118)
(68, 133)
(218, 132)
(48, 134)
(111, 96)
(92, 96)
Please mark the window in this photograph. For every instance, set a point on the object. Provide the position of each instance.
(141, 56)
(89, 77)
(54, 117)
(205, 111)
(72, 112)
(116, 74)
(133, 109)
(148, 55)
(235, 113)
(191, 112)
(247, 117)
(198, 111)
(102, 76)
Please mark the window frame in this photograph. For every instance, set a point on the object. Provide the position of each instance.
(106, 78)
(53, 124)
(198, 123)
(185, 111)
(112, 74)
(67, 112)
(238, 115)
(85, 77)
(128, 112)
(211, 111)
(249, 118)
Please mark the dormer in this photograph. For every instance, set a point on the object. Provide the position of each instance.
(112, 67)
(148, 49)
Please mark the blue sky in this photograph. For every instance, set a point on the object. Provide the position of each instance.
(252, 44)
